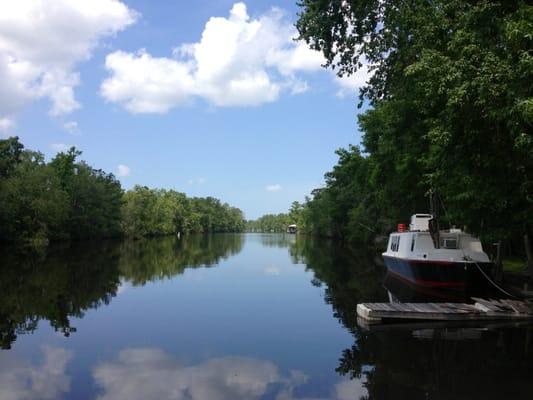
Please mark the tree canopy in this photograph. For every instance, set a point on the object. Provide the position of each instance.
(450, 109)
(68, 199)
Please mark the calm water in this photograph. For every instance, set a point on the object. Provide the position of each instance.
(231, 317)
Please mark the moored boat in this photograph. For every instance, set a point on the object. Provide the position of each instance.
(292, 228)
(427, 257)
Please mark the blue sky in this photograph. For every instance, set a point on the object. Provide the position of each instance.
(163, 95)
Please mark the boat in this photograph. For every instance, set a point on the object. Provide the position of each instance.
(423, 256)
(292, 228)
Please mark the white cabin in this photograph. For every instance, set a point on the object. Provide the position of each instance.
(417, 244)
(420, 222)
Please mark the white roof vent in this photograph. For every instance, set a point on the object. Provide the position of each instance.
(420, 222)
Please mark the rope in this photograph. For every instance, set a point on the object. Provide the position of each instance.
(492, 282)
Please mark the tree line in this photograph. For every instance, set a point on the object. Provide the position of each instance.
(278, 222)
(449, 110)
(68, 199)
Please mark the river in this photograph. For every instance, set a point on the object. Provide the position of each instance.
(229, 316)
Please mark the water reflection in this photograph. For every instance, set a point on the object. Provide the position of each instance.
(66, 281)
(443, 363)
(54, 286)
(155, 259)
(348, 275)
(240, 332)
(20, 379)
(145, 373)
(421, 360)
(276, 239)
(151, 373)
(140, 373)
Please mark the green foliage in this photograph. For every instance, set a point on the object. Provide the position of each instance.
(32, 203)
(269, 223)
(10, 155)
(66, 198)
(151, 212)
(451, 109)
(279, 222)
(56, 200)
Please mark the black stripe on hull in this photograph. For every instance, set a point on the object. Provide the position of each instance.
(439, 274)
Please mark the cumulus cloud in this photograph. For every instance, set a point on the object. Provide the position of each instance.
(41, 42)
(239, 61)
(21, 380)
(273, 188)
(71, 127)
(123, 170)
(6, 126)
(60, 147)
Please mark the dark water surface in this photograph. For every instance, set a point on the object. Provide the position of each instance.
(232, 317)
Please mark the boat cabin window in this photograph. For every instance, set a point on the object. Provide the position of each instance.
(395, 243)
(449, 243)
(413, 243)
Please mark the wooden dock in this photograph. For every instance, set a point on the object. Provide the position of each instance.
(482, 309)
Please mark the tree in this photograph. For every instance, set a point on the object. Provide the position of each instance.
(450, 98)
(10, 155)
(32, 203)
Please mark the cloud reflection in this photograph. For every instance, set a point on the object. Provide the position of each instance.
(20, 380)
(144, 373)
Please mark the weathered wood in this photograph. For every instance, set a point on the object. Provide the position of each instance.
(483, 309)
(438, 324)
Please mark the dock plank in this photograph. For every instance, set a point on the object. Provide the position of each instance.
(483, 309)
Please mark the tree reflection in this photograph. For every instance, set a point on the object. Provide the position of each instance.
(495, 365)
(64, 282)
(349, 275)
(54, 286)
(154, 259)
(276, 240)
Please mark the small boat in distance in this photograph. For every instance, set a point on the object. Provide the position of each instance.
(292, 228)
(424, 256)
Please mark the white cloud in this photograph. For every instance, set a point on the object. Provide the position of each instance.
(6, 126)
(197, 181)
(123, 170)
(350, 389)
(20, 380)
(71, 127)
(60, 147)
(41, 42)
(349, 85)
(273, 188)
(239, 61)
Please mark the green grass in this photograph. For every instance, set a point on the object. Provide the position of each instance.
(513, 264)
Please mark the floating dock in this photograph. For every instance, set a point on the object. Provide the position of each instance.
(482, 309)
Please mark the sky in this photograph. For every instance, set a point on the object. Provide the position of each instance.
(210, 98)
